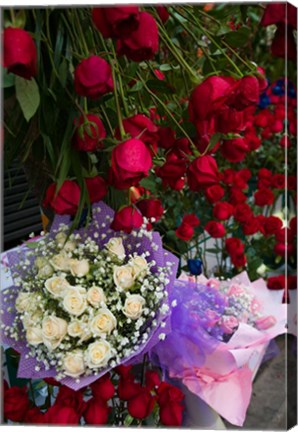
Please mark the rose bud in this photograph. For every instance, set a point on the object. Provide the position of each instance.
(117, 21)
(214, 193)
(163, 13)
(142, 44)
(93, 77)
(238, 259)
(234, 150)
(234, 244)
(172, 173)
(97, 188)
(141, 127)
(215, 229)
(223, 210)
(89, 134)
(16, 403)
(167, 137)
(141, 405)
(103, 388)
(151, 208)
(264, 197)
(19, 53)
(127, 219)
(66, 200)
(208, 96)
(97, 412)
(185, 232)
(191, 219)
(202, 172)
(131, 161)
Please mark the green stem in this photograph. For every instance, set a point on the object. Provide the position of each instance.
(195, 150)
(12, 16)
(84, 45)
(107, 119)
(120, 84)
(32, 391)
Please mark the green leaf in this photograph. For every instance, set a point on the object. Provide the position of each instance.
(32, 245)
(165, 67)
(149, 183)
(8, 79)
(27, 94)
(20, 19)
(213, 141)
(128, 420)
(137, 87)
(238, 38)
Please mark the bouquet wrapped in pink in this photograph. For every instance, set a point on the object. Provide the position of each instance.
(220, 331)
(85, 302)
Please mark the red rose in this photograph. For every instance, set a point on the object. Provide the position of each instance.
(228, 176)
(61, 415)
(172, 414)
(170, 400)
(172, 172)
(127, 219)
(234, 245)
(124, 371)
(89, 134)
(272, 225)
(97, 412)
(202, 173)
(141, 127)
(185, 231)
(159, 75)
(142, 44)
(16, 403)
(131, 161)
(285, 142)
(214, 193)
(67, 199)
(141, 405)
(292, 182)
(152, 379)
(222, 210)
(103, 388)
(283, 38)
(237, 196)
(242, 212)
(276, 282)
(251, 226)
(279, 181)
(52, 382)
(215, 229)
(282, 249)
(238, 259)
(253, 141)
(292, 282)
(208, 96)
(248, 92)
(97, 188)
(117, 21)
(71, 398)
(229, 120)
(127, 388)
(191, 219)
(244, 173)
(34, 416)
(279, 13)
(167, 137)
(293, 225)
(93, 77)
(163, 13)
(234, 150)
(19, 53)
(151, 208)
(264, 197)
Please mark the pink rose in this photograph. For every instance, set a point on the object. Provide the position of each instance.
(228, 324)
(265, 322)
(236, 290)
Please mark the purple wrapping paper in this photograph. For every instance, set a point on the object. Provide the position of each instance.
(139, 245)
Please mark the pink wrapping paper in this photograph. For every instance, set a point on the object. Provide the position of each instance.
(225, 381)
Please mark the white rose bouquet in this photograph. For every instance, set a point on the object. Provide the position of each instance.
(88, 301)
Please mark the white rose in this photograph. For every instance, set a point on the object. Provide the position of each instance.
(40, 262)
(98, 354)
(54, 330)
(32, 318)
(115, 248)
(103, 323)
(68, 245)
(73, 363)
(74, 301)
(96, 296)
(139, 265)
(34, 336)
(133, 306)
(45, 272)
(79, 329)
(61, 261)
(123, 277)
(24, 302)
(79, 268)
(56, 286)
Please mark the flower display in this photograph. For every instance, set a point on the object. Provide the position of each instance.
(86, 305)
